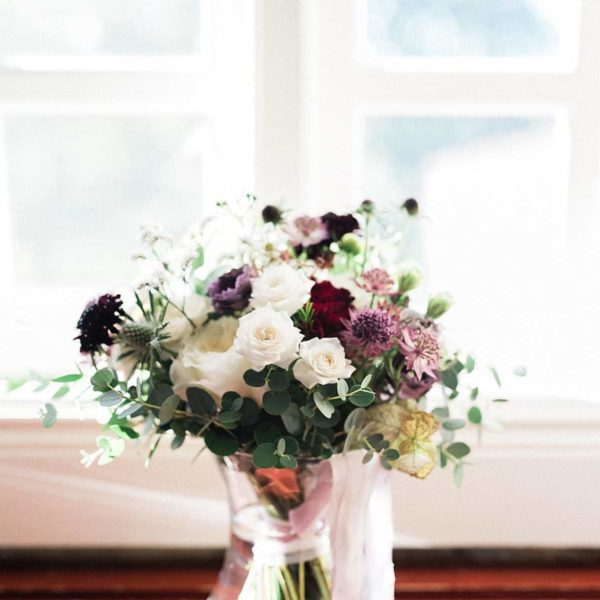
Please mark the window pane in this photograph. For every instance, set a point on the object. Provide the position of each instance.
(471, 28)
(97, 179)
(99, 27)
(492, 231)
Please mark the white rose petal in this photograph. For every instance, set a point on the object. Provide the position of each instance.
(322, 361)
(214, 336)
(178, 327)
(281, 286)
(267, 337)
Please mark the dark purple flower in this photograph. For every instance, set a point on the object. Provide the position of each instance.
(370, 330)
(338, 225)
(271, 214)
(97, 323)
(412, 387)
(231, 291)
(411, 206)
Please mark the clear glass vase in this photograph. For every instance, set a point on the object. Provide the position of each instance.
(280, 536)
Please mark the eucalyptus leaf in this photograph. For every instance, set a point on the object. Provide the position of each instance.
(458, 450)
(220, 442)
(453, 424)
(278, 381)
(201, 403)
(457, 475)
(323, 405)
(168, 408)
(63, 390)
(102, 380)
(110, 398)
(49, 415)
(276, 403)
(474, 415)
(449, 379)
(68, 378)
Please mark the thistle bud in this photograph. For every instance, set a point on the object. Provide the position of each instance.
(411, 206)
(272, 214)
(438, 305)
(409, 277)
(350, 244)
(367, 207)
(137, 335)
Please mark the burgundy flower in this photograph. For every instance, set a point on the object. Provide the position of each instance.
(231, 291)
(338, 225)
(98, 323)
(330, 305)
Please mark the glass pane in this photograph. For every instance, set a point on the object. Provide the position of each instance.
(492, 231)
(471, 28)
(99, 27)
(97, 179)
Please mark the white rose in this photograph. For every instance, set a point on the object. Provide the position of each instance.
(215, 336)
(322, 361)
(178, 327)
(217, 373)
(281, 286)
(267, 337)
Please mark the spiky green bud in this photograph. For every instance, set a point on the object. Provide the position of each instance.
(137, 335)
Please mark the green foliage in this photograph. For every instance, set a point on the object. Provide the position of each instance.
(453, 424)
(458, 450)
(200, 402)
(68, 378)
(103, 380)
(220, 442)
(474, 415)
(264, 455)
(255, 378)
(276, 403)
(168, 408)
(48, 414)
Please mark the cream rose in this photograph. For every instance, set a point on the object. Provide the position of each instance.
(214, 336)
(322, 361)
(281, 286)
(217, 373)
(178, 327)
(267, 337)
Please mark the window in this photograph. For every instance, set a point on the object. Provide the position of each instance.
(112, 114)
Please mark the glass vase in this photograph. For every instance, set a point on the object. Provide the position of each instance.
(280, 536)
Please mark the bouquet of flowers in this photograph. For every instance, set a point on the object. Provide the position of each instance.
(296, 344)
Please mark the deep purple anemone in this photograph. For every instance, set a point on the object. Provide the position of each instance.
(231, 291)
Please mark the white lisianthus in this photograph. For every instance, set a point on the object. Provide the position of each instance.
(267, 337)
(281, 286)
(178, 326)
(322, 361)
(217, 373)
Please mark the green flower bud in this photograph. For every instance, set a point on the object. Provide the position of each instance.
(366, 207)
(438, 305)
(410, 277)
(137, 335)
(351, 244)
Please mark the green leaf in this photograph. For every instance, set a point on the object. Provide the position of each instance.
(291, 446)
(354, 419)
(474, 393)
(453, 395)
(342, 388)
(278, 381)
(264, 456)
(470, 364)
(220, 442)
(15, 384)
(231, 401)
(520, 371)
(496, 376)
(441, 412)
(201, 403)
(49, 415)
(500, 400)
(266, 432)
(168, 408)
(127, 433)
(292, 420)
(68, 378)
(308, 411)
(229, 416)
(449, 379)
(199, 259)
(129, 409)
(110, 398)
(276, 403)
(391, 454)
(474, 415)
(323, 405)
(288, 462)
(458, 450)
(63, 390)
(443, 460)
(281, 446)
(102, 380)
(457, 475)
(177, 441)
(255, 378)
(250, 412)
(367, 457)
(453, 424)
(366, 381)
(361, 397)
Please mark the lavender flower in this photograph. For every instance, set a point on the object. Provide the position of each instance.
(413, 387)
(231, 291)
(371, 330)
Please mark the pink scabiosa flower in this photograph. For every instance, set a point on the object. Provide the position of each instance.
(306, 231)
(421, 349)
(377, 281)
(370, 330)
